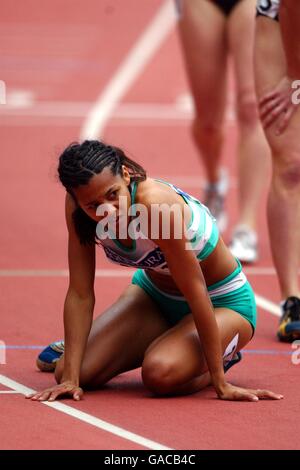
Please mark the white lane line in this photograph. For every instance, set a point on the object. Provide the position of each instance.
(85, 417)
(106, 272)
(62, 273)
(146, 46)
(124, 111)
(195, 182)
(267, 305)
(8, 391)
(262, 302)
(260, 271)
(19, 99)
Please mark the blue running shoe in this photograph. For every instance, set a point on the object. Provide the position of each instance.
(47, 359)
(236, 358)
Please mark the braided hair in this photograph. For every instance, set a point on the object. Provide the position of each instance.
(79, 163)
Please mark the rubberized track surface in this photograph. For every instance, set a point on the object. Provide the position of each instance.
(56, 62)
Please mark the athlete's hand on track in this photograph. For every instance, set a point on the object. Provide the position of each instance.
(277, 106)
(231, 392)
(52, 393)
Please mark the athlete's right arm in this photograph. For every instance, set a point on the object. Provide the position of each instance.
(78, 312)
(80, 299)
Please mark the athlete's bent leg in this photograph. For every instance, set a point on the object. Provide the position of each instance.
(174, 364)
(119, 338)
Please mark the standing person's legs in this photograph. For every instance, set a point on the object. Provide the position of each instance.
(253, 151)
(202, 33)
(284, 195)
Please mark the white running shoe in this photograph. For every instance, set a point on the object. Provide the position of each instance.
(244, 244)
(214, 199)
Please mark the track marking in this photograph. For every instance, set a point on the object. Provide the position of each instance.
(193, 182)
(269, 352)
(2, 392)
(267, 305)
(146, 46)
(20, 99)
(85, 417)
(261, 301)
(61, 273)
(261, 271)
(124, 111)
(6, 347)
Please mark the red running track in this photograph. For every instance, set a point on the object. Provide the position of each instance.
(58, 60)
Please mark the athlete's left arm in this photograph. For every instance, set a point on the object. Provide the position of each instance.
(188, 276)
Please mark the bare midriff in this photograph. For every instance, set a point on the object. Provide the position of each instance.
(218, 265)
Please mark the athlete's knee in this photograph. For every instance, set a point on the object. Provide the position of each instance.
(288, 175)
(247, 111)
(159, 374)
(206, 128)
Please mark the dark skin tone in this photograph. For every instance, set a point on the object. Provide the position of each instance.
(220, 263)
(84, 345)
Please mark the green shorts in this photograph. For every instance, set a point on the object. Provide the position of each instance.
(233, 292)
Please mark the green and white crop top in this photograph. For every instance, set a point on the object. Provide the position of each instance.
(145, 254)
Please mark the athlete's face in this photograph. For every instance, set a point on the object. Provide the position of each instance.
(104, 188)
